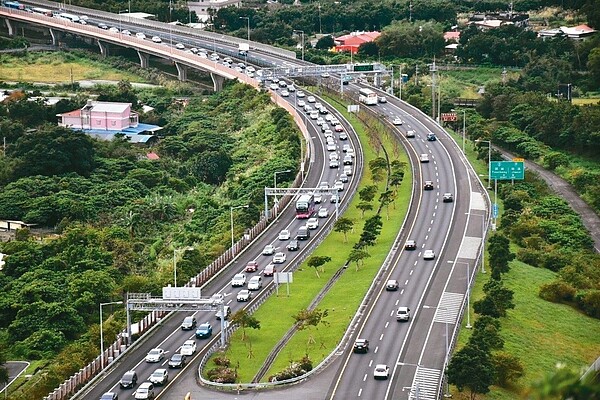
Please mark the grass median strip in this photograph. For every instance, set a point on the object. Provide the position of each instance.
(342, 301)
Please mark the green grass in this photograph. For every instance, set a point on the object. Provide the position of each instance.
(276, 314)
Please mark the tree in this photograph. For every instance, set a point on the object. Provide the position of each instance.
(385, 199)
(316, 262)
(593, 65)
(367, 193)
(364, 206)
(371, 231)
(471, 368)
(311, 318)
(369, 49)
(496, 301)
(566, 384)
(344, 225)
(486, 333)
(245, 320)
(325, 43)
(357, 256)
(378, 167)
(500, 255)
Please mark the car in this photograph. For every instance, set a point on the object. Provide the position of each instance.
(308, 108)
(334, 198)
(273, 86)
(331, 147)
(350, 152)
(318, 197)
(410, 245)
(102, 26)
(140, 35)
(361, 346)
(334, 156)
(397, 121)
(311, 99)
(381, 371)
(448, 198)
(128, 380)
(403, 314)
(345, 147)
(312, 223)
(303, 233)
(291, 88)
(343, 178)
(301, 103)
(338, 128)
(328, 117)
(228, 60)
(238, 280)
(180, 46)
(325, 75)
(279, 258)
(188, 323)
(214, 57)
(323, 111)
(155, 355)
(392, 285)
(343, 135)
(330, 140)
(320, 121)
(424, 158)
(177, 360)
(159, 376)
(284, 235)
(348, 170)
(156, 39)
(431, 137)
(428, 185)
(109, 396)
(145, 391)
(323, 212)
(348, 160)
(241, 65)
(244, 295)
(314, 115)
(217, 298)
(114, 29)
(204, 331)
(382, 99)
(251, 266)
(293, 245)
(339, 185)
(282, 84)
(268, 250)
(410, 134)
(276, 80)
(285, 93)
(428, 255)
(324, 185)
(125, 32)
(300, 94)
(270, 269)
(250, 68)
(332, 164)
(255, 283)
(219, 313)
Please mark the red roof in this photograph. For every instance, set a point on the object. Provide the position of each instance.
(152, 156)
(357, 38)
(451, 36)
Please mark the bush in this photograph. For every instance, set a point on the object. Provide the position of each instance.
(589, 302)
(557, 292)
(296, 368)
(508, 369)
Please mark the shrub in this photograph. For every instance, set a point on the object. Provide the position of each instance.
(508, 368)
(557, 292)
(222, 361)
(296, 368)
(589, 302)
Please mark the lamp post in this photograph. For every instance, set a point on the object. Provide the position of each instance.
(447, 349)
(121, 19)
(302, 32)
(102, 332)
(489, 142)
(410, 388)
(175, 251)
(464, 111)
(248, 20)
(231, 215)
(275, 184)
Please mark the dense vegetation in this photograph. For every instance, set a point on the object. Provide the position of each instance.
(117, 216)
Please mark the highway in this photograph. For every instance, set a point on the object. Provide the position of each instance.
(434, 290)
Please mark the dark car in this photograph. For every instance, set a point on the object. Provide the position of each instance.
(428, 185)
(361, 346)
(252, 266)
(410, 245)
(431, 137)
(109, 396)
(448, 198)
(204, 331)
(128, 380)
(188, 323)
(102, 26)
(293, 245)
(177, 361)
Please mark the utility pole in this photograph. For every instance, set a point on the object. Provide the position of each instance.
(433, 70)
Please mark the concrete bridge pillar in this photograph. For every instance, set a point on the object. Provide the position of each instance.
(144, 59)
(56, 36)
(181, 72)
(103, 48)
(217, 81)
(10, 26)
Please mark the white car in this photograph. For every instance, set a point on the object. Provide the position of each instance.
(320, 121)
(124, 32)
(424, 158)
(214, 57)
(238, 280)
(114, 30)
(331, 147)
(255, 283)
(397, 121)
(244, 295)
(155, 355)
(312, 223)
(323, 213)
(348, 170)
(301, 103)
(350, 152)
(311, 99)
(144, 391)
(339, 185)
(343, 135)
(284, 235)
(291, 88)
(188, 348)
(343, 178)
(300, 94)
(159, 376)
(332, 164)
(314, 115)
(279, 258)
(180, 46)
(348, 160)
(346, 147)
(156, 39)
(428, 255)
(268, 250)
(403, 314)
(285, 93)
(272, 86)
(217, 298)
(334, 198)
(140, 35)
(381, 371)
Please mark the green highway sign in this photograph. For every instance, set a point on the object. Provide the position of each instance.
(363, 68)
(507, 170)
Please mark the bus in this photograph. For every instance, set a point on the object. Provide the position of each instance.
(305, 206)
(43, 11)
(367, 96)
(70, 17)
(13, 4)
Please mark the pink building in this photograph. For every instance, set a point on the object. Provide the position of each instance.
(100, 116)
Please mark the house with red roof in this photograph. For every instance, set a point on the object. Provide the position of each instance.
(352, 41)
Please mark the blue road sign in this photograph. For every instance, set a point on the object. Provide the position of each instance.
(495, 210)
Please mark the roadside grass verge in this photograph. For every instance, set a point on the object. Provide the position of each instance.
(539, 332)
(343, 299)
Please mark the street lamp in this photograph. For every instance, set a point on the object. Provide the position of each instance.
(102, 332)
(302, 32)
(464, 111)
(121, 19)
(447, 349)
(247, 19)
(231, 215)
(417, 389)
(489, 142)
(275, 183)
(175, 251)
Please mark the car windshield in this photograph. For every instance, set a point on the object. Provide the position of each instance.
(154, 352)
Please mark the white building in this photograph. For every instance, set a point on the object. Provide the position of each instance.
(201, 7)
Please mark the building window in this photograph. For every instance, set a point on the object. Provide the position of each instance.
(98, 122)
(113, 123)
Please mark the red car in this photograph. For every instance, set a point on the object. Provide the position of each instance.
(252, 266)
(338, 128)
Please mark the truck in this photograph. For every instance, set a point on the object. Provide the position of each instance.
(243, 49)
